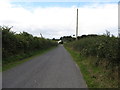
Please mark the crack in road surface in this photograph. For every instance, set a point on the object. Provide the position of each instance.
(54, 69)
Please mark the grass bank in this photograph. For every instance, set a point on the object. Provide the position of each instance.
(28, 57)
(95, 76)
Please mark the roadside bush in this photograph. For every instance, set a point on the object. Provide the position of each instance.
(19, 46)
(103, 47)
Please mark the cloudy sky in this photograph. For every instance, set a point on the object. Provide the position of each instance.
(58, 18)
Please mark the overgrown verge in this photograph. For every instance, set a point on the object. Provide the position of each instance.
(16, 47)
(30, 57)
(98, 60)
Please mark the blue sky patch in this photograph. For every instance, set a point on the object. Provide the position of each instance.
(56, 4)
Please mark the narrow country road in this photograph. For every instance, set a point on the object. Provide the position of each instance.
(54, 69)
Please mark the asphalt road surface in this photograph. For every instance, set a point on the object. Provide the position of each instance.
(54, 69)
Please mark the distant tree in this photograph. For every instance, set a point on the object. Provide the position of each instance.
(53, 39)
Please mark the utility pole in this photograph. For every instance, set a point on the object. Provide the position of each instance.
(77, 26)
(119, 20)
(41, 35)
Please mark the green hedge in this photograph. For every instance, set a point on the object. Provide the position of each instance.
(21, 45)
(103, 47)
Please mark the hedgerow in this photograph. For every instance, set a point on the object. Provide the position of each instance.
(19, 46)
(103, 47)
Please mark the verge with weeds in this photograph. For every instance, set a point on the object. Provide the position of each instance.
(98, 60)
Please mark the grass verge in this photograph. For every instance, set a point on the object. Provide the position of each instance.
(17, 62)
(95, 77)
